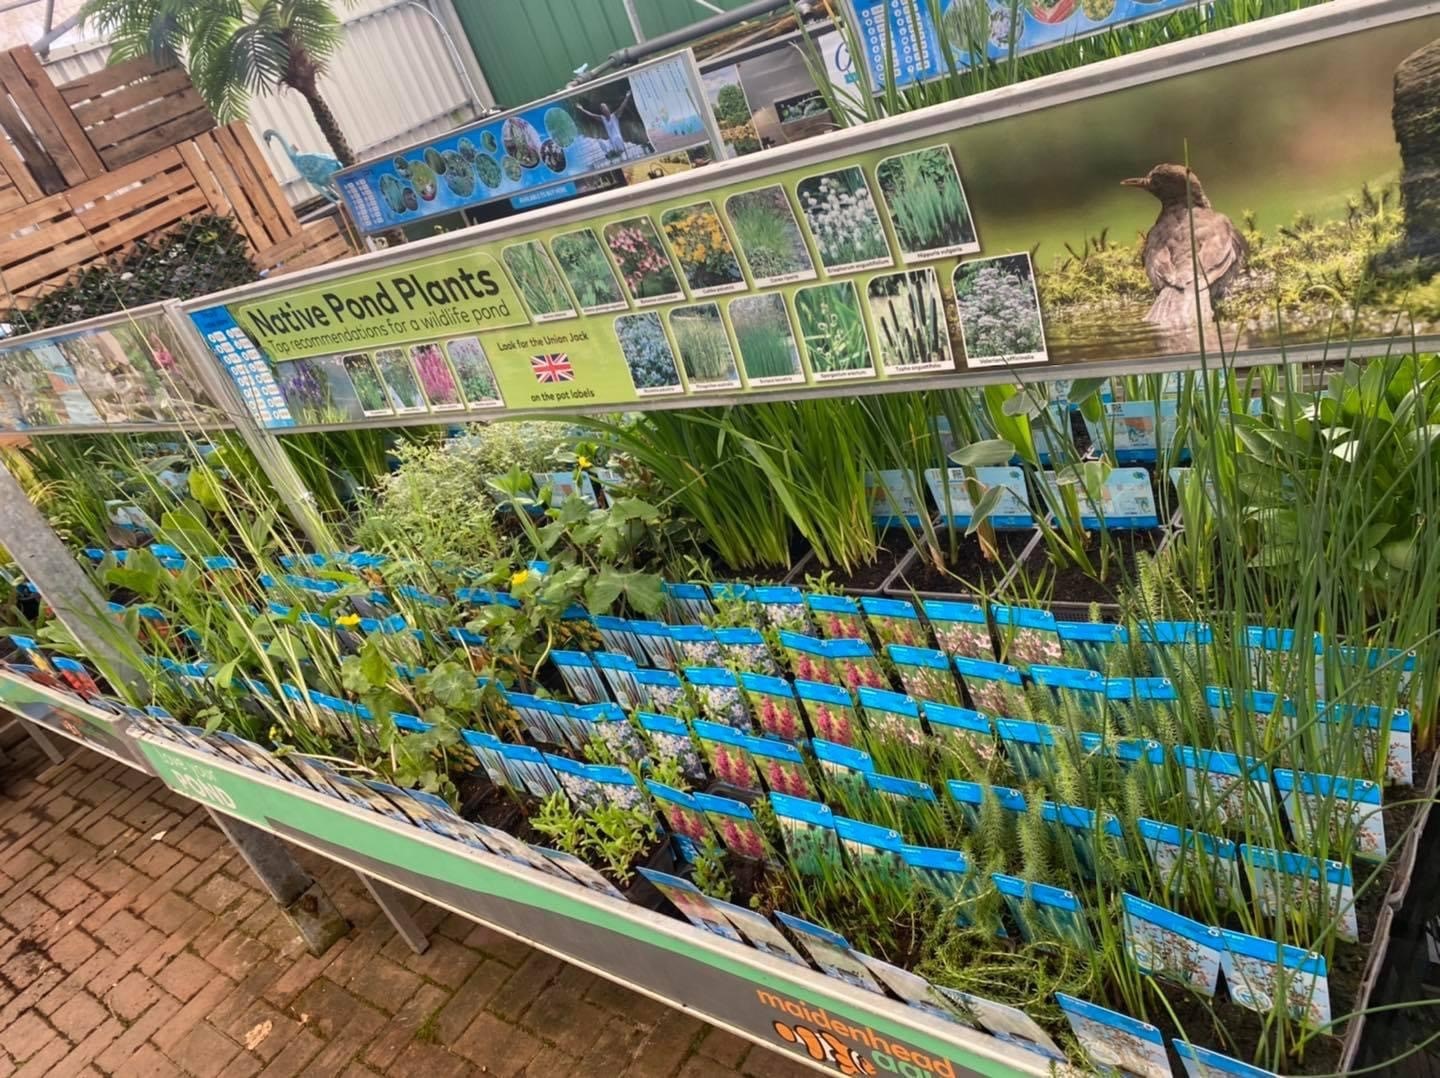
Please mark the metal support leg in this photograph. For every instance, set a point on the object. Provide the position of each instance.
(303, 901)
(41, 737)
(392, 903)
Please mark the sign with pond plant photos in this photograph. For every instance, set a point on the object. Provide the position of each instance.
(1046, 226)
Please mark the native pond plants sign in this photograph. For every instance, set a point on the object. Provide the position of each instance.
(927, 246)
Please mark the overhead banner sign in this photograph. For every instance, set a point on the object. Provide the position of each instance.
(917, 44)
(560, 146)
(128, 373)
(932, 245)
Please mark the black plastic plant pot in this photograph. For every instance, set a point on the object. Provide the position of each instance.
(734, 793)
(640, 891)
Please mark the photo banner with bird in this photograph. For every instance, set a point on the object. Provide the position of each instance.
(1225, 202)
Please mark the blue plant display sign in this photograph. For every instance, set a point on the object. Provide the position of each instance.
(914, 41)
(567, 143)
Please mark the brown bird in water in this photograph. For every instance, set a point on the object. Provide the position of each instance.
(1171, 257)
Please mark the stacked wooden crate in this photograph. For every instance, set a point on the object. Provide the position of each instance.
(90, 167)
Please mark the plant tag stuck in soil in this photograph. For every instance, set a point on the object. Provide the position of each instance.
(735, 823)
(837, 617)
(1204, 1063)
(1030, 748)
(994, 688)
(1339, 814)
(957, 491)
(618, 634)
(759, 932)
(683, 818)
(831, 952)
(687, 603)
(663, 688)
(696, 645)
(1009, 1024)
(1225, 789)
(1045, 913)
(727, 750)
(773, 703)
(832, 712)
(717, 693)
(657, 644)
(1092, 645)
(1291, 883)
(692, 903)
(1192, 861)
(896, 498)
(895, 621)
(745, 649)
(582, 680)
(1260, 972)
(966, 735)
(808, 828)
(961, 629)
(1115, 1040)
(1164, 944)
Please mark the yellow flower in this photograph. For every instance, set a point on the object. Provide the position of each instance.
(348, 620)
(700, 253)
(516, 579)
(582, 461)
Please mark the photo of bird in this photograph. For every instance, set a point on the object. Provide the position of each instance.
(1192, 253)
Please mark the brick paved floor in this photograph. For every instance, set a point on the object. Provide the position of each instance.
(134, 942)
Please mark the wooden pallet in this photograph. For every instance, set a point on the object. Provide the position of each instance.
(43, 131)
(132, 109)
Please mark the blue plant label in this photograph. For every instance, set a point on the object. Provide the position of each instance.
(872, 849)
(1006, 1023)
(837, 617)
(1225, 788)
(774, 706)
(830, 952)
(692, 903)
(894, 621)
(728, 752)
(1182, 855)
(1126, 1045)
(1093, 837)
(528, 769)
(1204, 1063)
(663, 688)
(1281, 661)
(1044, 912)
(1285, 881)
(655, 640)
(745, 649)
(952, 490)
(781, 766)
(564, 486)
(1028, 637)
(582, 680)
(718, 693)
(1357, 736)
(1080, 691)
(961, 629)
(682, 816)
(963, 733)
(618, 634)
(735, 823)
(696, 645)
(831, 710)
(970, 797)
(1344, 815)
(580, 872)
(895, 498)
(1093, 644)
(902, 790)
(619, 673)
(759, 932)
(1030, 747)
(1261, 973)
(687, 603)
(851, 663)
(926, 673)
(782, 607)
(808, 828)
(1164, 944)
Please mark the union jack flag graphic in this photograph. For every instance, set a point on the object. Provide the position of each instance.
(552, 368)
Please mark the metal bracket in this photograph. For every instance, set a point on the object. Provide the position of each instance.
(303, 901)
(41, 737)
(391, 901)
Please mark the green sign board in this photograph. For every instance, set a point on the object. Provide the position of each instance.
(1053, 224)
(92, 727)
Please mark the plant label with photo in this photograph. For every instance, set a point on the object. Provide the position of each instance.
(735, 823)
(582, 873)
(1286, 882)
(962, 732)
(728, 752)
(692, 904)
(745, 649)
(671, 740)
(697, 645)
(1204, 1063)
(1342, 815)
(769, 237)
(895, 499)
(913, 990)
(927, 204)
(774, 705)
(1164, 944)
(1261, 972)
(808, 828)
(831, 710)
(1188, 859)
(831, 952)
(925, 673)
(582, 680)
(1009, 1024)
(1230, 790)
(688, 604)
(759, 932)
(1115, 1040)
(1000, 320)
(953, 487)
(961, 629)
(1044, 912)
(718, 692)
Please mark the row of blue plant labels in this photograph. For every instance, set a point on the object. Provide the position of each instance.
(651, 667)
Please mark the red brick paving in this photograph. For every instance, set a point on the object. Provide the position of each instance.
(134, 941)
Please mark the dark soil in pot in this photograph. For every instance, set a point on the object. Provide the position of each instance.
(970, 573)
(1071, 584)
(641, 891)
(894, 545)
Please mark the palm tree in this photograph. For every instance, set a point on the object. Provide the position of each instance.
(232, 48)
